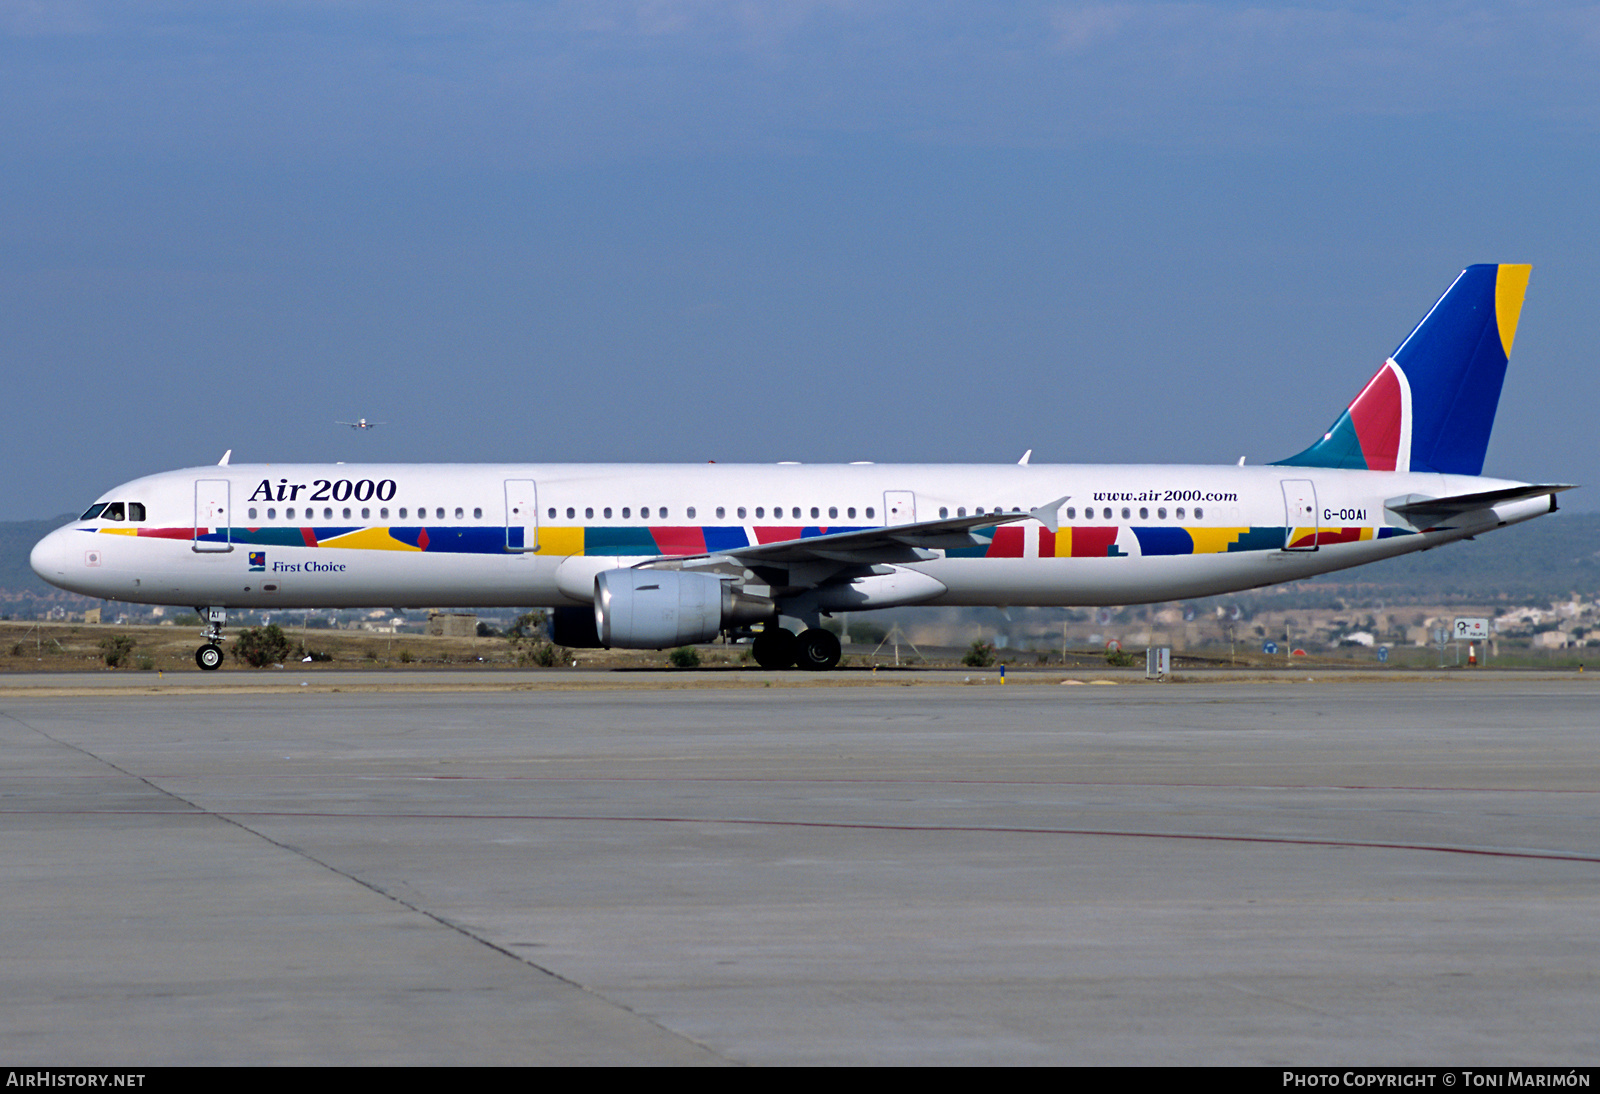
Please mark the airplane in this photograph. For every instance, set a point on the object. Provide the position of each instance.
(362, 423)
(644, 556)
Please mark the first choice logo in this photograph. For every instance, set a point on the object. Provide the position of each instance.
(325, 490)
(312, 567)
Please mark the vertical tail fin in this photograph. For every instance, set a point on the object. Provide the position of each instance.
(1431, 406)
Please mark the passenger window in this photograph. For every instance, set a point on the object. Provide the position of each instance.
(439, 513)
(760, 512)
(689, 513)
(833, 512)
(1180, 512)
(608, 512)
(741, 512)
(815, 513)
(551, 511)
(272, 514)
(251, 513)
(1125, 513)
(796, 512)
(869, 512)
(136, 510)
(961, 511)
(383, 514)
(1144, 513)
(1161, 514)
(721, 513)
(1198, 513)
(626, 510)
(571, 512)
(288, 514)
(402, 513)
(1072, 512)
(588, 513)
(851, 512)
(1107, 512)
(366, 514)
(327, 514)
(943, 512)
(477, 514)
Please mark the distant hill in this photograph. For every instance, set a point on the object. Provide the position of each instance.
(1545, 559)
(17, 538)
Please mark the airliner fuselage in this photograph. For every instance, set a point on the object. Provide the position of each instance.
(649, 556)
(307, 536)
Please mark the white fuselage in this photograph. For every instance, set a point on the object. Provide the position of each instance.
(304, 536)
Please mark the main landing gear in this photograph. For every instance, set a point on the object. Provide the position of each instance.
(814, 649)
(209, 656)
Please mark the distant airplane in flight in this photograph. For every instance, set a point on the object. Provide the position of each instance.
(646, 556)
(361, 423)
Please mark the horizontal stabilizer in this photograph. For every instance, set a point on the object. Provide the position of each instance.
(1425, 512)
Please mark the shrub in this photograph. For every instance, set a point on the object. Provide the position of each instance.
(685, 657)
(262, 646)
(529, 625)
(530, 643)
(980, 655)
(544, 655)
(117, 651)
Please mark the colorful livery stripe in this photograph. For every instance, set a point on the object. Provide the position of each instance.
(1007, 541)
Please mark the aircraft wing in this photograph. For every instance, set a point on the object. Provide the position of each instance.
(897, 543)
(1426, 512)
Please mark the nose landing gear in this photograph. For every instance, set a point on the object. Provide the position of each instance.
(209, 656)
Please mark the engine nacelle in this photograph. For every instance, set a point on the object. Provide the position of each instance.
(656, 609)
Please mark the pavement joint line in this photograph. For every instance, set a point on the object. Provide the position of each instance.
(195, 809)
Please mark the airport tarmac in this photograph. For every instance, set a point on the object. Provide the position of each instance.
(1333, 871)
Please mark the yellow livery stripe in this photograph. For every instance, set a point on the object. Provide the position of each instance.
(368, 539)
(560, 541)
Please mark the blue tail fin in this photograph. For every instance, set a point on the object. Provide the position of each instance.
(1431, 406)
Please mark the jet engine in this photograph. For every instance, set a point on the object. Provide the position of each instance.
(655, 609)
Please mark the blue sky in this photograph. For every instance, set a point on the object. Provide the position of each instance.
(762, 231)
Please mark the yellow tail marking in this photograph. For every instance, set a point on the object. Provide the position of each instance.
(1509, 287)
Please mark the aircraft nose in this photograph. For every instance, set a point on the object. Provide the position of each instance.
(49, 556)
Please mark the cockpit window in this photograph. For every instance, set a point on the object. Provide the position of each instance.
(136, 510)
(93, 511)
(115, 511)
